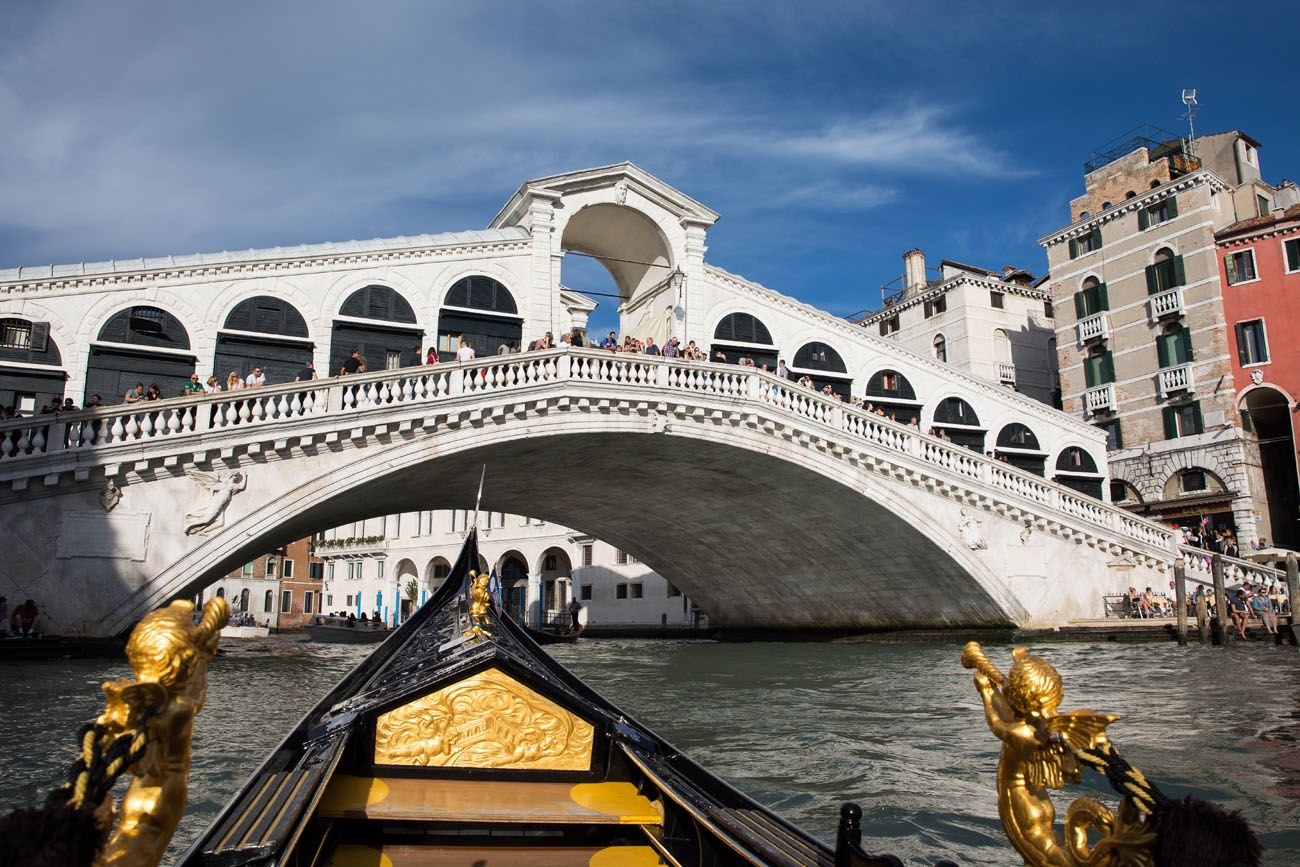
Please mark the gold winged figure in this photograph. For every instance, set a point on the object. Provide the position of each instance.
(1039, 745)
(480, 600)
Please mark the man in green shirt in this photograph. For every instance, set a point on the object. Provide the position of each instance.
(192, 386)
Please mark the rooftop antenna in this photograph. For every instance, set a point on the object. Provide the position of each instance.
(1189, 100)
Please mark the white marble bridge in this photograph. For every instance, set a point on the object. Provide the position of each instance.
(772, 506)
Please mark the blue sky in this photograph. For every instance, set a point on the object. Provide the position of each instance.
(830, 136)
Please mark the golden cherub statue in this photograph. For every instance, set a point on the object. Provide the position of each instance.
(1039, 747)
(169, 654)
(480, 600)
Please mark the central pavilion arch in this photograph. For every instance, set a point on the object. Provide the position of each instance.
(263, 332)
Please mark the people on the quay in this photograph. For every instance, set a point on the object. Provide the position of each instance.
(1240, 611)
(25, 619)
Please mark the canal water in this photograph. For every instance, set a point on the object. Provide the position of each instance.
(800, 727)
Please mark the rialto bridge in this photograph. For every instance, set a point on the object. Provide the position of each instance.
(772, 506)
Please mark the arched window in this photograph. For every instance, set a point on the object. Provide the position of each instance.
(378, 302)
(940, 347)
(145, 326)
(1106, 206)
(243, 599)
(890, 384)
(1165, 272)
(1091, 298)
(1130, 195)
(818, 356)
(743, 328)
(479, 292)
(954, 410)
(1123, 492)
(1075, 460)
(25, 386)
(1017, 436)
(267, 315)
(1155, 183)
(1174, 346)
(221, 592)
(268, 602)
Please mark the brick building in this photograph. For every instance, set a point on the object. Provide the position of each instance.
(281, 590)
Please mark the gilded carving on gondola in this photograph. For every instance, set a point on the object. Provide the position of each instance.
(1039, 752)
(488, 720)
(169, 655)
(480, 601)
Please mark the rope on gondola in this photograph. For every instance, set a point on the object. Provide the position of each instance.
(103, 759)
(1189, 832)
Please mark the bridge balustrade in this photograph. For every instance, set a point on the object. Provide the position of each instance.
(387, 389)
(1235, 570)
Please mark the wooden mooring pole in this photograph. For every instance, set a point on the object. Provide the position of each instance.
(1292, 587)
(1221, 615)
(1180, 599)
(1203, 615)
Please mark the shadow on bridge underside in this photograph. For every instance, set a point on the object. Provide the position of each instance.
(758, 541)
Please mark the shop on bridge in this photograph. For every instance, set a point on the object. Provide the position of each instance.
(824, 366)
(1076, 469)
(740, 336)
(380, 323)
(141, 344)
(958, 421)
(1019, 447)
(891, 392)
(31, 367)
(263, 332)
(481, 310)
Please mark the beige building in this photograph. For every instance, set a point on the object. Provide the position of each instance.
(1143, 349)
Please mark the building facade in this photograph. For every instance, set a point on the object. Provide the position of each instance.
(1259, 264)
(1144, 353)
(995, 325)
(281, 590)
(387, 567)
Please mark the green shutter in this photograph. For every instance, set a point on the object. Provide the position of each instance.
(1144, 219)
(1096, 238)
(1230, 266)
(1108, 367)
(1180, 276)
(1153, 282)
(1172, 202)
(1198, 424)
(1074, 249)
(1119, 434)
(1185, 345)
(1103, 300)
(1090, 371)
(1079, 311)
(1242, 356)
(1171, 422)
(1162, 350)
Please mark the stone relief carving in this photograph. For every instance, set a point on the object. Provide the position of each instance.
(220, 491)
(1025, 532)
(620, 193)
(972, 532)
(1257, 376)
(110, 496)
(661, 424)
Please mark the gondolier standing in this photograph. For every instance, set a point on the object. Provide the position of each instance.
(574, 607)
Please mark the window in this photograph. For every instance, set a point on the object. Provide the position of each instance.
(997, 299)
(329, 600)
(379, 569)
(286, 601)
(586, 555)
(1174, 347)
(354, 571)
(620, 592)
(1099, 369)
(1252, 343)
(1190, 481)
(15, 334)
(636, 590)
(1047, 310)
(1165, 272)
(584, 592)
(1183, 421)
(1292, 249)
(1240, 267)
(286, 568)
(1091, 299)
(270, 567)
(1160, 212)
(551, 563)
(889, 326)
(954, 410)
(1264, 206)
(1114, 436)
(349, 602)
(940, 348)
(268, 603)
(1118, 491)
(248, 568)
(935, 306)
(620, 557)
(1085, 244)
(306, 602)
(673, 592)
(221, 592)
(743, 328)
(316, 571)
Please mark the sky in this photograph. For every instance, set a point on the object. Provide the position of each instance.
(831, 137)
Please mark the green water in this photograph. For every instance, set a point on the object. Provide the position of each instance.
(800, 727)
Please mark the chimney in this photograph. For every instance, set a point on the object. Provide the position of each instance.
(913, 270)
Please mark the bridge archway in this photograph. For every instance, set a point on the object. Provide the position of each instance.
(1269, 411)
(512, 573)
(406, 572)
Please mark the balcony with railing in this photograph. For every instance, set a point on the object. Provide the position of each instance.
(1006, 373)
(1094, 327)
(1099, 399)
(352, 548)
(1167, 303)
(1173, 380)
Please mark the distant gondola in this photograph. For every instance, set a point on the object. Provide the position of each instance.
(460, 741)
(346, 630)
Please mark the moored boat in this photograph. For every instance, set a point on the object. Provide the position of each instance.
(245, 632)
(346, 630)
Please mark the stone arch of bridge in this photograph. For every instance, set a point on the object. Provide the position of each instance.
(632, 246)
(760, 537)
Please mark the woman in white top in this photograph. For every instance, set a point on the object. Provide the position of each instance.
(212, 386)
(233, 382)
(465, 352)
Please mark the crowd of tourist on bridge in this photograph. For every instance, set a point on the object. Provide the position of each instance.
(1261, 600)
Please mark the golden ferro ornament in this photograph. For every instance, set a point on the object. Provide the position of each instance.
(487, 720)
(480, 601)
(1040, 748)
(169, 654)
